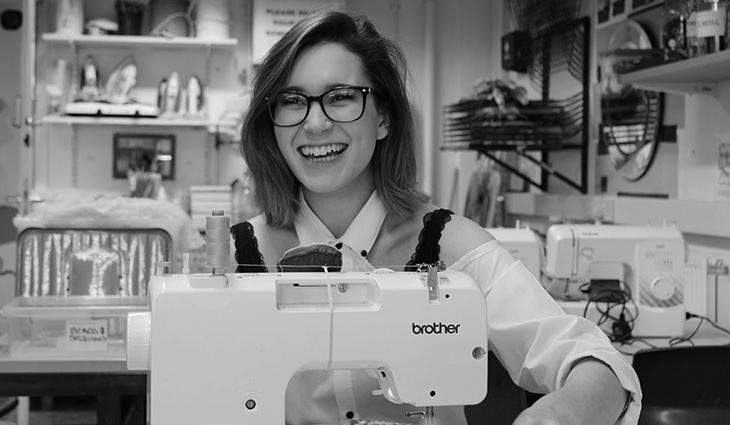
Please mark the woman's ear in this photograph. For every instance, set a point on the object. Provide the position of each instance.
(383, 126)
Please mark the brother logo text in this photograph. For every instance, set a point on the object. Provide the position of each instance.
(435, 328)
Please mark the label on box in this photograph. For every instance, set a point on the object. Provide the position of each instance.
(87, 335)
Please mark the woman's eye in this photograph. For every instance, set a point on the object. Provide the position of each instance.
(341, 95)
(291, 101)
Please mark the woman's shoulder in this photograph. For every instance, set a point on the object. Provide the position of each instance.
(459, 235)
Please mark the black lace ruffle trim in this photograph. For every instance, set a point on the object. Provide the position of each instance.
(428, 249)
(248, 256)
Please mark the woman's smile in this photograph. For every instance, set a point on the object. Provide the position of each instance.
(323, 153)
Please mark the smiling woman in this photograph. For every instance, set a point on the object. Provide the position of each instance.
(329, 141)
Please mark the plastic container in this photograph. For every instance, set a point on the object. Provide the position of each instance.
(69, 17)
(60, 327)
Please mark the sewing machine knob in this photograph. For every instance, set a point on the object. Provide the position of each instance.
(662, 288)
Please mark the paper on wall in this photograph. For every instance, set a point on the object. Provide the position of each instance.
(273, 18)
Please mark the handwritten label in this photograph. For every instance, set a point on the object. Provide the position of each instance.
(87, 335)
(273, 18)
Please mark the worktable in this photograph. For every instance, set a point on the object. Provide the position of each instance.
(108, 381)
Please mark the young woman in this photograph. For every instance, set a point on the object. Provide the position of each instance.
(329, 143)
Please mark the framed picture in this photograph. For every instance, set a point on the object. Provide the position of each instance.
(144, 153)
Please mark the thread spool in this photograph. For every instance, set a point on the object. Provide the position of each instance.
(217, 242)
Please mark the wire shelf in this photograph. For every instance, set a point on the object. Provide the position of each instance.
(537, 125)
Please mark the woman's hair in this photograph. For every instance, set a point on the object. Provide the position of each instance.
(276, 189)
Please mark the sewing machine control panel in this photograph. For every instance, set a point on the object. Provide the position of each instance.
(659, 273)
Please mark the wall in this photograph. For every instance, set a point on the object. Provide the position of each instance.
(10, 142)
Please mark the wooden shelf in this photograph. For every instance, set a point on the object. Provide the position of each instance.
(700, 75)
(138, 41)
(121, 121)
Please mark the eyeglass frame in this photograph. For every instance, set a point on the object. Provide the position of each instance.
(363, 89)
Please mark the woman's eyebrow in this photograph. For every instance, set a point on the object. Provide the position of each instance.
(301, 90)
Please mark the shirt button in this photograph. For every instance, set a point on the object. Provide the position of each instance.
(338, 245)
(349, 415)
(364, 253)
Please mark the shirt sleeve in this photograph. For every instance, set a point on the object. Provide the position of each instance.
(529, 333)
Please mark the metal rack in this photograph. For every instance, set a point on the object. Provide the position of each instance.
(540, 126)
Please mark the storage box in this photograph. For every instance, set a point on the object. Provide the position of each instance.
(61, 327)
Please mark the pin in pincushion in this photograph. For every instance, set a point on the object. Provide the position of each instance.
(311, 258)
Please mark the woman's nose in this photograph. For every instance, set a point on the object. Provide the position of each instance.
(316, 121)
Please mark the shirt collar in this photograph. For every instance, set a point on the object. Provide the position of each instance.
(361, 234)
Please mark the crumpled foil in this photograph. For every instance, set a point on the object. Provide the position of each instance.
(96, 262)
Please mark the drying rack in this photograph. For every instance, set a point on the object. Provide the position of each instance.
(540, 126)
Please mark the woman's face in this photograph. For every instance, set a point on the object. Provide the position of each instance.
(328, 156)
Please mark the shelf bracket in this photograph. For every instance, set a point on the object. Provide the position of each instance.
(208, 51)
(544, 166)
(512, 169)
(711, 89)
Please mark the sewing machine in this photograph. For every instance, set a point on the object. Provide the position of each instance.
(647, 261)
(523, 244)
(222, 348)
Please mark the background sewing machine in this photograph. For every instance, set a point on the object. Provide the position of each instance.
(647, 261)
(523, 244)
(222, 348)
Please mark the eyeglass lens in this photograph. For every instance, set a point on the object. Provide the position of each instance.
(344, 104)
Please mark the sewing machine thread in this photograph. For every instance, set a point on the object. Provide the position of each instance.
(217, 248)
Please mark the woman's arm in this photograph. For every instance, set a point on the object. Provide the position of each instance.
(592, 394)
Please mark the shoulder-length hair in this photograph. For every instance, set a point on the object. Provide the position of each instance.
(276, 188)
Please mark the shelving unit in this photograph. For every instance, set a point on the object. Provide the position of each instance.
(76, 151)
(138, 41)
(700, 75)
(146, 122)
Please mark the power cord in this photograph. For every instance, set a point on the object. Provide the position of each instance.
(688, 339)
(609, 295)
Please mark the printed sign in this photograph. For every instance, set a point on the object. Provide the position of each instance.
(87, 335)
(273, 18)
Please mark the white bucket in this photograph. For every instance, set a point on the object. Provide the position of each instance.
(212, 30)
(216, 10)
(212, 19)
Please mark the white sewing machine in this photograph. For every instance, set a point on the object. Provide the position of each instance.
(649, 261)
(523, 244)
(222, 348)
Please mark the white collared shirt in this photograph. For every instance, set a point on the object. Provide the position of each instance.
(357, 241)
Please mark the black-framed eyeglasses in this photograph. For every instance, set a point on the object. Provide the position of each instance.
(341, 104)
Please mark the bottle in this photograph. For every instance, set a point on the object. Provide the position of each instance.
(674, 30)
(711, 26)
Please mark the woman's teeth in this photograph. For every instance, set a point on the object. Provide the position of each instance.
(323, 153)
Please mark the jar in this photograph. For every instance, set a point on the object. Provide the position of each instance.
(711, 26)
